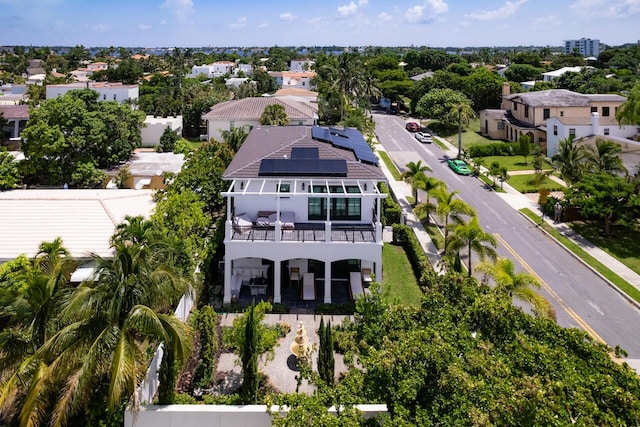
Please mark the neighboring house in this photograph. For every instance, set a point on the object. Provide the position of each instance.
(527, 113)
(421, 76)
(301, 65)
(36, 79)
(108, 91)
(17, 116)
(235, 81)
(85, 220)
(552, 75)
(36, 66)
(247, 112)
(154, 128)
(559, 128)
(247, 69)
(81, 74)
(217, 69)
(303, 208)
(146, 170)
(97, 66)
(12, 94)
(302, 80)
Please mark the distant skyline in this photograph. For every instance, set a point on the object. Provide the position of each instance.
(217, 23)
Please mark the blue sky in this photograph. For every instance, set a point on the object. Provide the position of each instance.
(434, 23)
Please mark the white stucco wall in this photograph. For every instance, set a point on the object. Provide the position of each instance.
(553, 138)
(155, 126)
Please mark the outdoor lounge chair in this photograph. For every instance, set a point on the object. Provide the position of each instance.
(308, 287)
(294, 275)
(355, 285)
(366, 276)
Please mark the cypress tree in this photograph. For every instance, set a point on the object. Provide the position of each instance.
(329, 359)
(249, 359)
(322, 366)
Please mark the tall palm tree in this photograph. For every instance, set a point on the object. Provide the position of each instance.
(451, 210)
(428, 184)
(472, 237)
(275, 115)
(413, 175)
(604, 156)
(518, 285)
(462, 113)
(235, 136)
(570, 160)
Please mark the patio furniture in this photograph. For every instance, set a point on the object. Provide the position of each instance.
(366, 276)
(355, 285)
(294, 274)
(258, 286)
(308, 287)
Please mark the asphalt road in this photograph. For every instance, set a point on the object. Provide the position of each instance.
(581, 298)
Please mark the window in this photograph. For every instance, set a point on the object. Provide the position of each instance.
(285, 188)
(104, 96)
(606, 131)
(605, 112)
(572, 133)
(555, 130)
(561, 113)
(342, 208)
(526, 111)
(546, 113)
(500, 125)
(515, 107)
(317, 208)
(114, 97)
(594, 109)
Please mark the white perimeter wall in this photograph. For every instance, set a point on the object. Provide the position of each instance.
(216, 415)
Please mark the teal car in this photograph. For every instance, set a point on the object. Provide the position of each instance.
(459, 167)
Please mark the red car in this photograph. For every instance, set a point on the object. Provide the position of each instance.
(413, 127)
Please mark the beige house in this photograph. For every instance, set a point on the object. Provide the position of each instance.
(247, 112)
(527, 113)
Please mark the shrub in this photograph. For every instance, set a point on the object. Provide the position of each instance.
(493, 149)
(391, 211)
(404, 236)
(346, 308)
(206, 322)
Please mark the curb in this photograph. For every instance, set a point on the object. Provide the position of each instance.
(573, 254)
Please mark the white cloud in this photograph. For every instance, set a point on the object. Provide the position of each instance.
(182, 9)
(363, 2)
(508, 9)
(384, 17)
(144, 27)
(101, 28)
(288, 16)
(263, 25)
(426, 12)
(240, 23)
(348, 9)
(606, 8)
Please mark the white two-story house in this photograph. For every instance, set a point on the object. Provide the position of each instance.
(303, 214)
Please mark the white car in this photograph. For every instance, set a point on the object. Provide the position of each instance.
(424, 137)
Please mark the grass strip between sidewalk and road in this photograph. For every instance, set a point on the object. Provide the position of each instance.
(622, 284)
(390, 165)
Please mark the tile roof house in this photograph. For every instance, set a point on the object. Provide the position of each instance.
(247, 112)
(17, 117)
(303, 209)
(528, 113)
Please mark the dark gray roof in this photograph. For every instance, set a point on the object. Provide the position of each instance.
(276, 142)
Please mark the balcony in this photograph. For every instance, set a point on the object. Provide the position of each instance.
(307, 232)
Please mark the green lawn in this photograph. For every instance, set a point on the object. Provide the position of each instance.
(524, 184)
(624, 244)
(436, 235)
(390, 165)
(512, 163)
(398, 283)
(582, 254)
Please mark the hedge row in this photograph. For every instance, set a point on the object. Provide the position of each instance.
(493, 149)
(391, 211)
(206, 323)
(405, 236)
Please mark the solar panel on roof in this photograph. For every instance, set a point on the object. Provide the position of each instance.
(349, 139)
(305, 153)
(303, 167)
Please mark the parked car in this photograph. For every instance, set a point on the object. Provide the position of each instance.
(424, 137)
(413, 127)
(459, 167)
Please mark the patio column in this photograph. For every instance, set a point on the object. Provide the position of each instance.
(277, 278)
(378, 270)
(327, 282)
(227, 282)
(327, 231)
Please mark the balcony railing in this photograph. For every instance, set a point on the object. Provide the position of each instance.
(308, 232)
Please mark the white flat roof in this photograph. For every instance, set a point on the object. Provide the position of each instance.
(84, 219)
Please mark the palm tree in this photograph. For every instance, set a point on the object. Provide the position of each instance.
(275, 115)
(235, 136)
(604, 157)
(451, 209)
(462, 113)
(413, 174)
(472, 237)
(570, 160)
(518, 285)
(428, 184)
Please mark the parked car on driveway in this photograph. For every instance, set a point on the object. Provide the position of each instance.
(459, 167)
(413, 127)
(424, 137)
